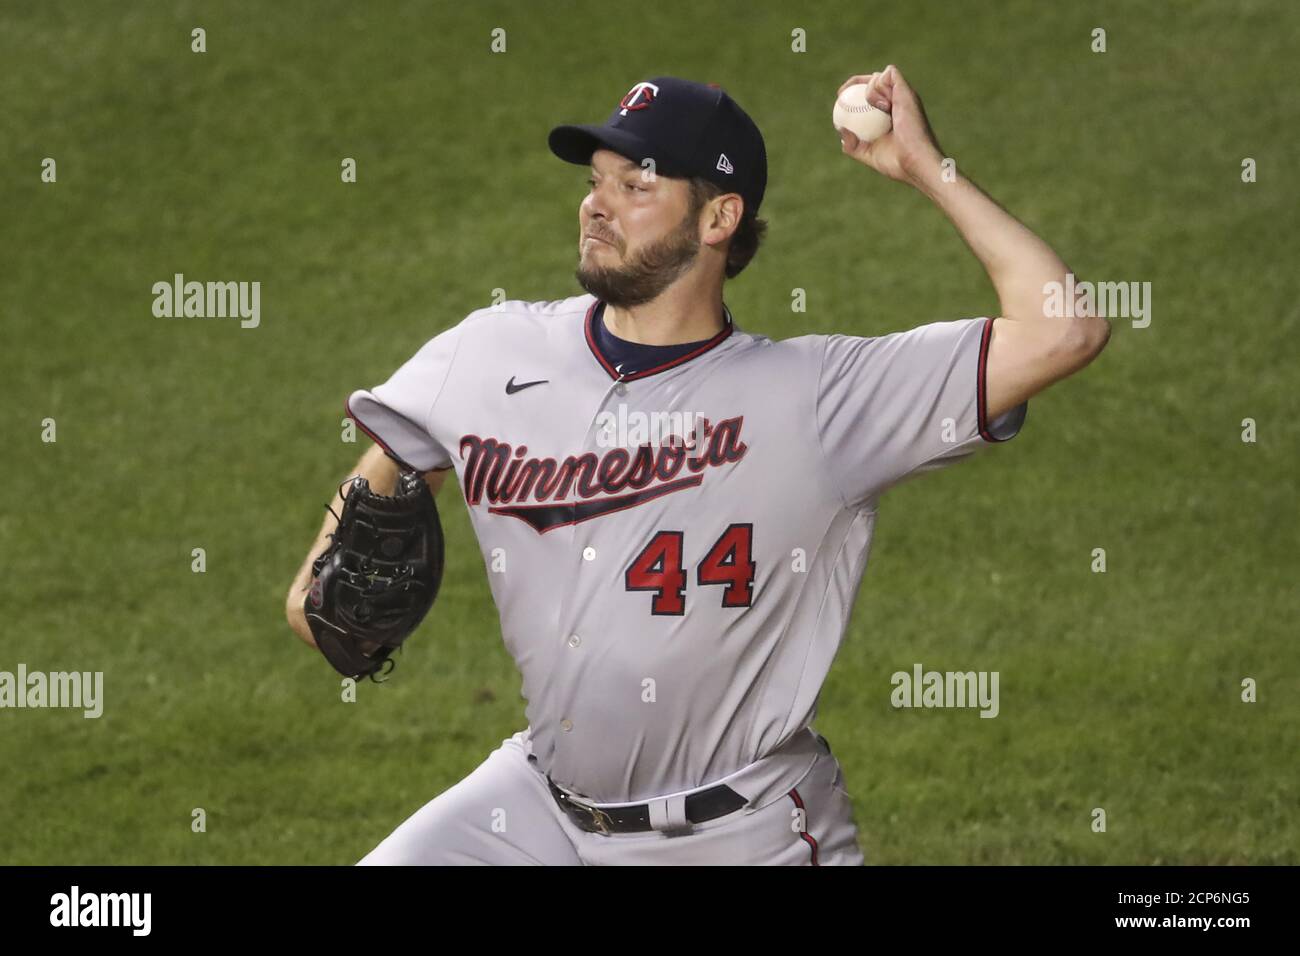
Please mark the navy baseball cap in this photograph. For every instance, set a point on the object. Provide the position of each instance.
(687, 128)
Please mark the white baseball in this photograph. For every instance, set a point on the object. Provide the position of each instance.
(854, 113)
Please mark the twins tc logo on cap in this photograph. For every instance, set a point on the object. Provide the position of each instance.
(638, 98)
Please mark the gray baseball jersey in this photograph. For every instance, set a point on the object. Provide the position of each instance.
(674, 554)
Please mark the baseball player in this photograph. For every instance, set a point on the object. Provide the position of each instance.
(675, 514)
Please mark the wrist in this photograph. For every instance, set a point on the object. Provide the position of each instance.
(927, 176)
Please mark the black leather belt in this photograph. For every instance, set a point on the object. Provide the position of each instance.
(706, 805)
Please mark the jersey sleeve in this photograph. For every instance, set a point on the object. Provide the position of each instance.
(893, 406)
(400, 414)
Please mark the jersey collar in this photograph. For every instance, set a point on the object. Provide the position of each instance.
(594, 313)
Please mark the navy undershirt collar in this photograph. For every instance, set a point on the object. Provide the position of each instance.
(632, 357)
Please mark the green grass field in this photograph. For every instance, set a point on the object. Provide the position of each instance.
(1119, 690)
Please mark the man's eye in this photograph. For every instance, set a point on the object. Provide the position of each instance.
(591, 183)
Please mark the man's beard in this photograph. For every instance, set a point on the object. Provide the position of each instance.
(650, 271)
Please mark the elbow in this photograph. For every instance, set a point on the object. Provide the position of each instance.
(1085, 340)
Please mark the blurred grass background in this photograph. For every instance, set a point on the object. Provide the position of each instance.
(1119, 690)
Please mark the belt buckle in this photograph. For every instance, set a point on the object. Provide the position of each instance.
(599, 818)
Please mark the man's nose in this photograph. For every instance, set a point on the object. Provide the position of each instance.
(594, 206)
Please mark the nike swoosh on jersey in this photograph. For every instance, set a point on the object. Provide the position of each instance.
(511, 387)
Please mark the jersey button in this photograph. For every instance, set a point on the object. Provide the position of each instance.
(574, 640)
(567, 724)
(589, 554)
(620, 389)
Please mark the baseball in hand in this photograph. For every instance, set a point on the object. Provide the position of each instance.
(854, 113)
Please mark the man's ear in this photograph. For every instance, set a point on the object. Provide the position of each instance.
(725, 215)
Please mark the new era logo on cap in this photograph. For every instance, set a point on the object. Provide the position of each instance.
(724, 164)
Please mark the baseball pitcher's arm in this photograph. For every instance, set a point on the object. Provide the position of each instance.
(1028, 351)
(381, 471)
